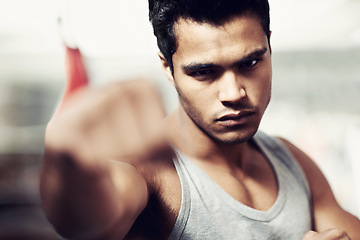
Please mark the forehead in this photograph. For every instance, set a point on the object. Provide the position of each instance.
(201, 42)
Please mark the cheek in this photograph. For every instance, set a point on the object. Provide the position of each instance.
(269, 86)
(265, 80)
(195, 102)
(194, 93)
(265, 93)
(259, 89)
(186, 96)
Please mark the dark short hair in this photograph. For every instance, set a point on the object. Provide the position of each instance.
(164, 13)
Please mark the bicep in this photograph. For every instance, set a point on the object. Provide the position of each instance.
(327, 213)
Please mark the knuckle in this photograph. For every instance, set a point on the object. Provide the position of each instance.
(310, 235)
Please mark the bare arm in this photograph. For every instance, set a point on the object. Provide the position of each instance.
(90, 186)
(327, 213)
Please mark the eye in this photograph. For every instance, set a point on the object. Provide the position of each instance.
(200, 73)
(253, 63)
(250, 63)
(204, 74)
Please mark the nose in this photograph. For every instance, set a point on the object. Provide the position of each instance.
(230, 89)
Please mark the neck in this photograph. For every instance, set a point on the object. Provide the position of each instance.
(194, 143)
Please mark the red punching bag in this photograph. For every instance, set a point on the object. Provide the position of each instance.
(76, 76)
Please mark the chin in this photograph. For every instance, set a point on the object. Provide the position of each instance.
(235, 138)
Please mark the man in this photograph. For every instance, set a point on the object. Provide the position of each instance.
(116, 168)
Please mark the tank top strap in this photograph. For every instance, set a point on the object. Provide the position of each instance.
(275, 148)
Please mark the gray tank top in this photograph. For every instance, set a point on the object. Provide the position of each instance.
(208, 212)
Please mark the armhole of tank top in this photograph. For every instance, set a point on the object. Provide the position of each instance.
(185, 205)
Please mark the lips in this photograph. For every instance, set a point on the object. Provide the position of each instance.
(238, 118)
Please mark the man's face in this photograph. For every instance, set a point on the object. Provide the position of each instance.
(223, 76)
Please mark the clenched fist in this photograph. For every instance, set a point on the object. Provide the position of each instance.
(121, 121)
(331, 234)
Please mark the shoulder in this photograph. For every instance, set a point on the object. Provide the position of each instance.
(327, 213)
(290, 155)
(158, 218)
(281, 150)
(158, 171)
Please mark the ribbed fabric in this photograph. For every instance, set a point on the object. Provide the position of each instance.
(208, 212)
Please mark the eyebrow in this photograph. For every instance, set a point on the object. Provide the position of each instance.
(253, 55)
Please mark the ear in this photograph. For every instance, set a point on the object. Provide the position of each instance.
(269, 41)
(166, 68)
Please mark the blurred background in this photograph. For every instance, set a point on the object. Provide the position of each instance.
(316, 75)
